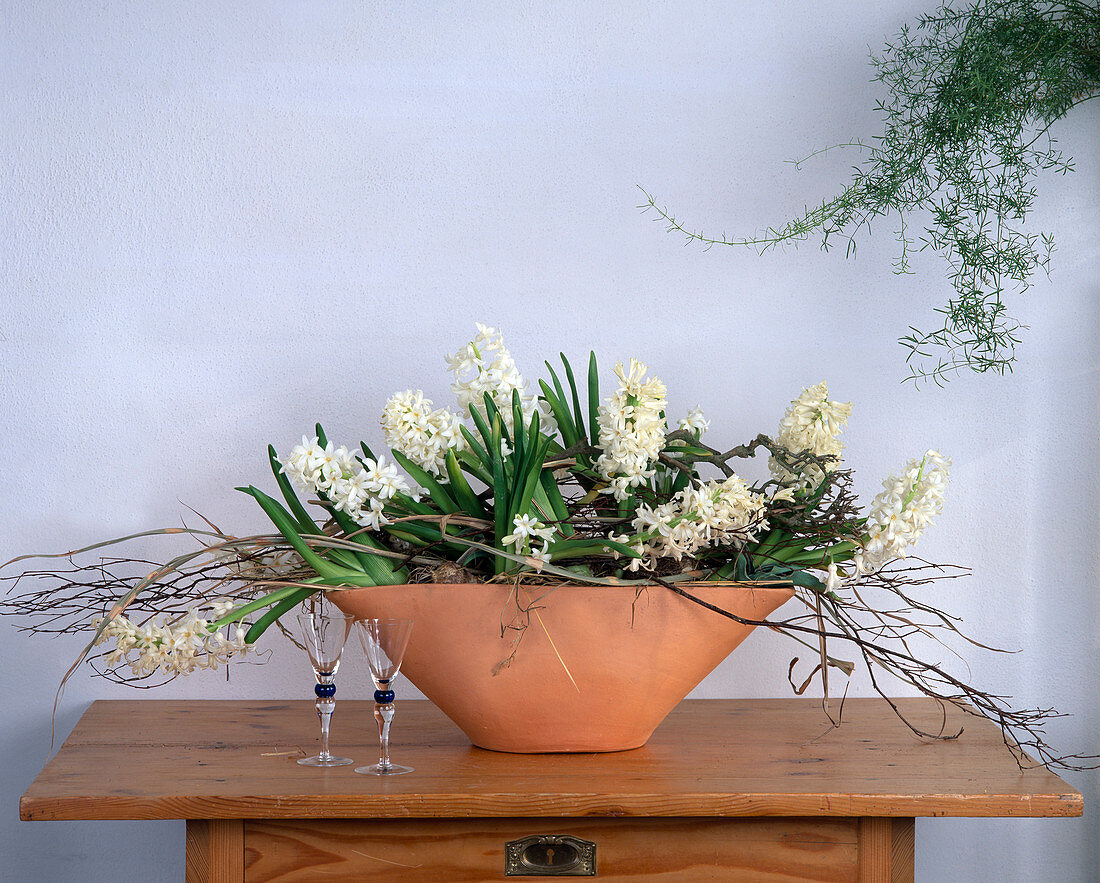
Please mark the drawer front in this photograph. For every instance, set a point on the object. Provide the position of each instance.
(458, 850)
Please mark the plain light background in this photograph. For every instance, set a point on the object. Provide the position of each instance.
(223, 222)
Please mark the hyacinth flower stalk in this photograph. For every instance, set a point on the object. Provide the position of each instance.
(899, 515)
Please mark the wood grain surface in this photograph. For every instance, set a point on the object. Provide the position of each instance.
(887, 850)
(155, 759)
(214, 849)
(773, 850)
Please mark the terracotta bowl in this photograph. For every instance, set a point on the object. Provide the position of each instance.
(597, 668)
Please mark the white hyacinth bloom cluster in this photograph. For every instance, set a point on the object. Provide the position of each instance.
(485, 365)
(812, 423)
(526, 529)
(359, 490)
(713, 513)
(695, 422)
(632, 430)
(179, 647)
(906, 506)
(423, 435)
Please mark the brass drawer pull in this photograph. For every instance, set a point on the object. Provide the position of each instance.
(550, 855)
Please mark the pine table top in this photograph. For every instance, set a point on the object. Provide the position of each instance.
(157, 759)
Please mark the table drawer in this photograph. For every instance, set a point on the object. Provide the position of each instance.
(457, 850)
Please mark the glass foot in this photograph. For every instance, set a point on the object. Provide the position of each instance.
(317, 760)
(376, 769)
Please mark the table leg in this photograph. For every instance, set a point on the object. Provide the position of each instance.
(886, 850)
(215, 851)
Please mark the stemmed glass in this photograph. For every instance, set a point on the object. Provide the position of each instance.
(384, 641)
(324, 631)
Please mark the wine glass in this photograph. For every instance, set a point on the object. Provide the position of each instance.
(323, 632)
(384, 642)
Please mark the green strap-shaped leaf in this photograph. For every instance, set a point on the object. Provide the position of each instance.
(561, 415)
(274, 612)
(501, 517)
(239, 613)
(819, 492)
(305, 522)
(567, 423)
(476, 464)
(522, 493)
(367, 452)
(557, 504)
(403, 532)
(463, 494)
(527, 442)
(679, 446)
(382, 569)
(425, 534)
(517, 423)
(680, 481)
(541, 507)
(482, 427)
(593, 400)
(422, 477)
(579, 548)
(559, 390)
(285, 525)
(838, 552)
(476, 449)
(492, 412)
(741, 568)
(573, 393)
(802, 578)
(414, 507)
(349, 527)
(627, 506)
(773, 538)
(469, 555)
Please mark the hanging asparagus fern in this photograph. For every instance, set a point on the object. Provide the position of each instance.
(971, 96)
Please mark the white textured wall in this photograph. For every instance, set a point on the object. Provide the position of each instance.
(225, 221)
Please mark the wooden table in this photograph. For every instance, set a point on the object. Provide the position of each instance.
(725, 789)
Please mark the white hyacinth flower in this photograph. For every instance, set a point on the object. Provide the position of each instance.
(358, 491)
(422, 434)
(812, 423)
(484, 365)
(632, 429)
(303, 464)
(703, 514)
(382, 478)
(695, 422)
(220, 607)
(540, 557)
(906, 506)
(527, 527)
(174, 647)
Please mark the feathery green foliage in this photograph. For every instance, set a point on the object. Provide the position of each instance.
(971, 95)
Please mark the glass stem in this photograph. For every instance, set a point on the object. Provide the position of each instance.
(325, 707)
(384, 714)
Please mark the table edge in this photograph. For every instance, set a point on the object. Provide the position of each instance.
(447, 806)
